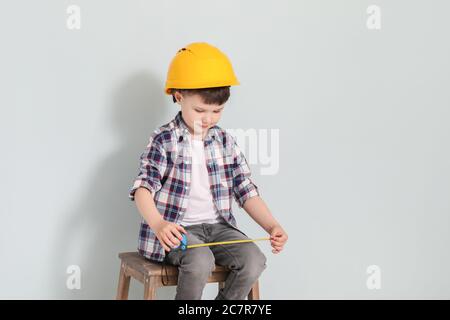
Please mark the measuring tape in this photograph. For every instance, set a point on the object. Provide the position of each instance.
(184, 245)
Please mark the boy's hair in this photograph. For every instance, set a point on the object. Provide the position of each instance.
(217, 95)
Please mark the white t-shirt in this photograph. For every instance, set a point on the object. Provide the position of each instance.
(200, 208)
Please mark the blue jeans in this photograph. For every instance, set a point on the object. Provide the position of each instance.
(245, 260)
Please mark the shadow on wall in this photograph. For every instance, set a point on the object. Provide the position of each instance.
(103, 221)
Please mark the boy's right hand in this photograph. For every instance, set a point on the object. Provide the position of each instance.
(168, 233)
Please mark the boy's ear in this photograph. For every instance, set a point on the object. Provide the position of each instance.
(177, 97)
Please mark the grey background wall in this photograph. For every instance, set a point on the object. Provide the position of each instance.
(363, 179)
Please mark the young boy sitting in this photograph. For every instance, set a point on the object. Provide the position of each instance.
(189, 173)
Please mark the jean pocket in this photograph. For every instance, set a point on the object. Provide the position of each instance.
(173, 256)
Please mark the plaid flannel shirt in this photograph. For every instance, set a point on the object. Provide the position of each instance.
(165, 170)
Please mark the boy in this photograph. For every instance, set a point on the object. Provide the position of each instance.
(189, 173)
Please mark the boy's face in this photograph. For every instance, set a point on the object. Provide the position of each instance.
(198, 116)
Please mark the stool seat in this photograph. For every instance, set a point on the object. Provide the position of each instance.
(150, 273)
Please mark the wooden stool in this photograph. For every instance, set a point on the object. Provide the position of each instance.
(149, 273)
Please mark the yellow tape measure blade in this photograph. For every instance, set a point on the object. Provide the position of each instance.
(224, 242)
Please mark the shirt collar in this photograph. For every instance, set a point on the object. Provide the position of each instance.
(213, 132)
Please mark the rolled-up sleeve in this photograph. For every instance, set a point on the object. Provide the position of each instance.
(243, 186)
(151, 170)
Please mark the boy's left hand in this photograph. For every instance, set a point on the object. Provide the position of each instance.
(278, 238)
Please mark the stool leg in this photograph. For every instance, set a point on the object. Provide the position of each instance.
(254, 292)
(149, 289)
(124, 284)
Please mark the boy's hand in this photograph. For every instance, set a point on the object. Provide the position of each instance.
(278, 238)
(168, 233)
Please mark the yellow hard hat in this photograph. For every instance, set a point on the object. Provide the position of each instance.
(199, 65)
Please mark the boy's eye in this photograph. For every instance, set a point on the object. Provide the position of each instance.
(201, 111)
